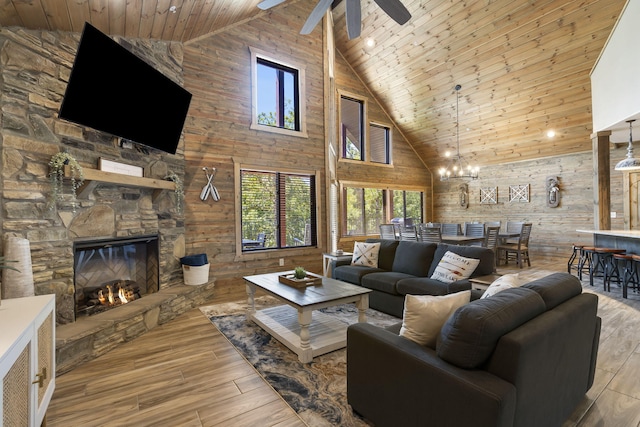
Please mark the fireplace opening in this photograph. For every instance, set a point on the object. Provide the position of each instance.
(113, 272)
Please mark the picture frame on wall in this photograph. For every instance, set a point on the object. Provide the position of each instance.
(519, 193)
(489, 195)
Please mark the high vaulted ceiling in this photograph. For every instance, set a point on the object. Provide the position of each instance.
(523, 64)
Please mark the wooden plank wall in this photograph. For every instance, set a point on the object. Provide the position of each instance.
(554, 229)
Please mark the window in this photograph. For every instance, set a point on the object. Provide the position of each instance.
(365, 208)
(278, 96)
(379, 143)
(278, 210)
(351, 128)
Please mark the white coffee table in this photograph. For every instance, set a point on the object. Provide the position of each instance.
(298, 324)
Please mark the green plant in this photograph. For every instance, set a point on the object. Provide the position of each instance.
(4, 261)
(171, 175)
(299, 273)
(56, 174)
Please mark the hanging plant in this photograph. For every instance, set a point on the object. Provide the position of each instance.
(172, 176)
(56, 174)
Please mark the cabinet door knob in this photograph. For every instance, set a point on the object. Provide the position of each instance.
(40, 378)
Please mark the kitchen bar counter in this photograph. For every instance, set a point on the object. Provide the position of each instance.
(619, 239)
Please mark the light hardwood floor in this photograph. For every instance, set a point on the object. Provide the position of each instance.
(185, 373)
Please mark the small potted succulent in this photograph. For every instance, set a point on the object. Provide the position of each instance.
(300, 273)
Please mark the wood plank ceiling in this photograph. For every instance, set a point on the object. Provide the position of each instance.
(523, 64)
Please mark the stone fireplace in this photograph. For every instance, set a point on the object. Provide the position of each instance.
(109, 273)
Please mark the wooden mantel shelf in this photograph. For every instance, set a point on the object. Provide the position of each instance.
(93, 177)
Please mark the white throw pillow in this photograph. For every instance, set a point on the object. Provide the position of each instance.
(501, 283)
(365, 254)
(454, 267)
(424, 315)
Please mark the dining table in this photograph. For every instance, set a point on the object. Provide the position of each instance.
(461, 240)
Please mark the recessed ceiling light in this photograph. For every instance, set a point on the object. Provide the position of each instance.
(369, 42)
(551, 133)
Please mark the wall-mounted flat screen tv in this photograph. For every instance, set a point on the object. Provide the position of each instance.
(112, 90)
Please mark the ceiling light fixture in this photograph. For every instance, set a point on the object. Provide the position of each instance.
(630, 162)
(458, 166)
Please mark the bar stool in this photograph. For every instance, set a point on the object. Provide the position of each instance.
(578, 255)
(628, 269)
(634, 279)
(587, 262)
(603, 258)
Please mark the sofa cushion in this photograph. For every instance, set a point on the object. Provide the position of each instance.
(428, 286)
(424, 315)
(556, 288)
(470, 335)
(352, 273)
(383, 281)
(452, 267)
(485, 255)
(365, 254)
(507, 281)
(387, 252)
(414, 258)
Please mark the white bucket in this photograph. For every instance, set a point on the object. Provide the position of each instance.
(195, 275)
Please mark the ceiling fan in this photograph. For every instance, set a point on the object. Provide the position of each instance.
(394, 8)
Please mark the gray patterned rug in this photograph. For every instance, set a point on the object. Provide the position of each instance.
(317, 391)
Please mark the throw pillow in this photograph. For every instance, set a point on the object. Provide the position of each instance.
(500, 284)
(424, 315)
(454, 267)
(365, 254)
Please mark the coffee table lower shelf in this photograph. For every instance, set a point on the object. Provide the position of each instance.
(325, 333)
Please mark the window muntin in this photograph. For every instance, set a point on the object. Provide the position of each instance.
(282, 206)
(379, 143)
(278, 95)
(351, 128)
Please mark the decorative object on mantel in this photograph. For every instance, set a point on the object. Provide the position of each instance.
(463, 196)
(394, 8)
(56, 173)
(630, 162)
(300, 278)
(458, 167)
(489, 195)
(17, 282)
(209, 189)
(553, 191)
(172, 176)
(121, 168)
(519, 193)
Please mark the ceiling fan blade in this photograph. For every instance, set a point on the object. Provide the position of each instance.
(268, 4)
(316, 15)
(395, 9)
(354, 18)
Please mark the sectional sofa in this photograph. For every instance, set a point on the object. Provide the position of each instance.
(406, 267)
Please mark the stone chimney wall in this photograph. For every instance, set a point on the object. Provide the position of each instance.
(35, 66)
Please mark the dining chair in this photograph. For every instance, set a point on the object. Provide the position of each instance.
(513, 227)
(474, 229)
(492, 224)
(388, 232)
(517, 251)
(427, 233)
(491, 242)
(451, 229)
(408, 233)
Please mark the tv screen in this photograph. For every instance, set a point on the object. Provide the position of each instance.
(112, 90)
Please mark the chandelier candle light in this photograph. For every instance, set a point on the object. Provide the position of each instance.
(629, 162)
(458, 166)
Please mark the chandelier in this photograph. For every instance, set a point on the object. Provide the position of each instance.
(458, 167)
(629, 162)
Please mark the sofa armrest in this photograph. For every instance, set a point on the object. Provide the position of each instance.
(393, 381)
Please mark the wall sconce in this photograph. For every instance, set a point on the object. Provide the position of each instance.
(553, 191)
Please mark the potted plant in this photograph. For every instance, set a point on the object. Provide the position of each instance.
(56, 173)
(172, 176)
(299, 273)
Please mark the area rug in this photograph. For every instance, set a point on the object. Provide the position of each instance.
(317, 391)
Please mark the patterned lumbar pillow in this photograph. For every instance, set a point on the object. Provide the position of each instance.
(424, 315)
(365, 254)
(501, 283)
(454, 267)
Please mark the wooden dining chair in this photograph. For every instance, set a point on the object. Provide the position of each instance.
(388, 231)
(408, 233)
(517, 251)
(491, 242)
(474, 229)
(513, 227)
(451, 229)
(492, 224)
(429, 233)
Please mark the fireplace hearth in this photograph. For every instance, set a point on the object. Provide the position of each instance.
(109, 273)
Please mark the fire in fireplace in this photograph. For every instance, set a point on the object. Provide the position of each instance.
(110, 273)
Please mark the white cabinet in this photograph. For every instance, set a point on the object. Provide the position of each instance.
(27, 359)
